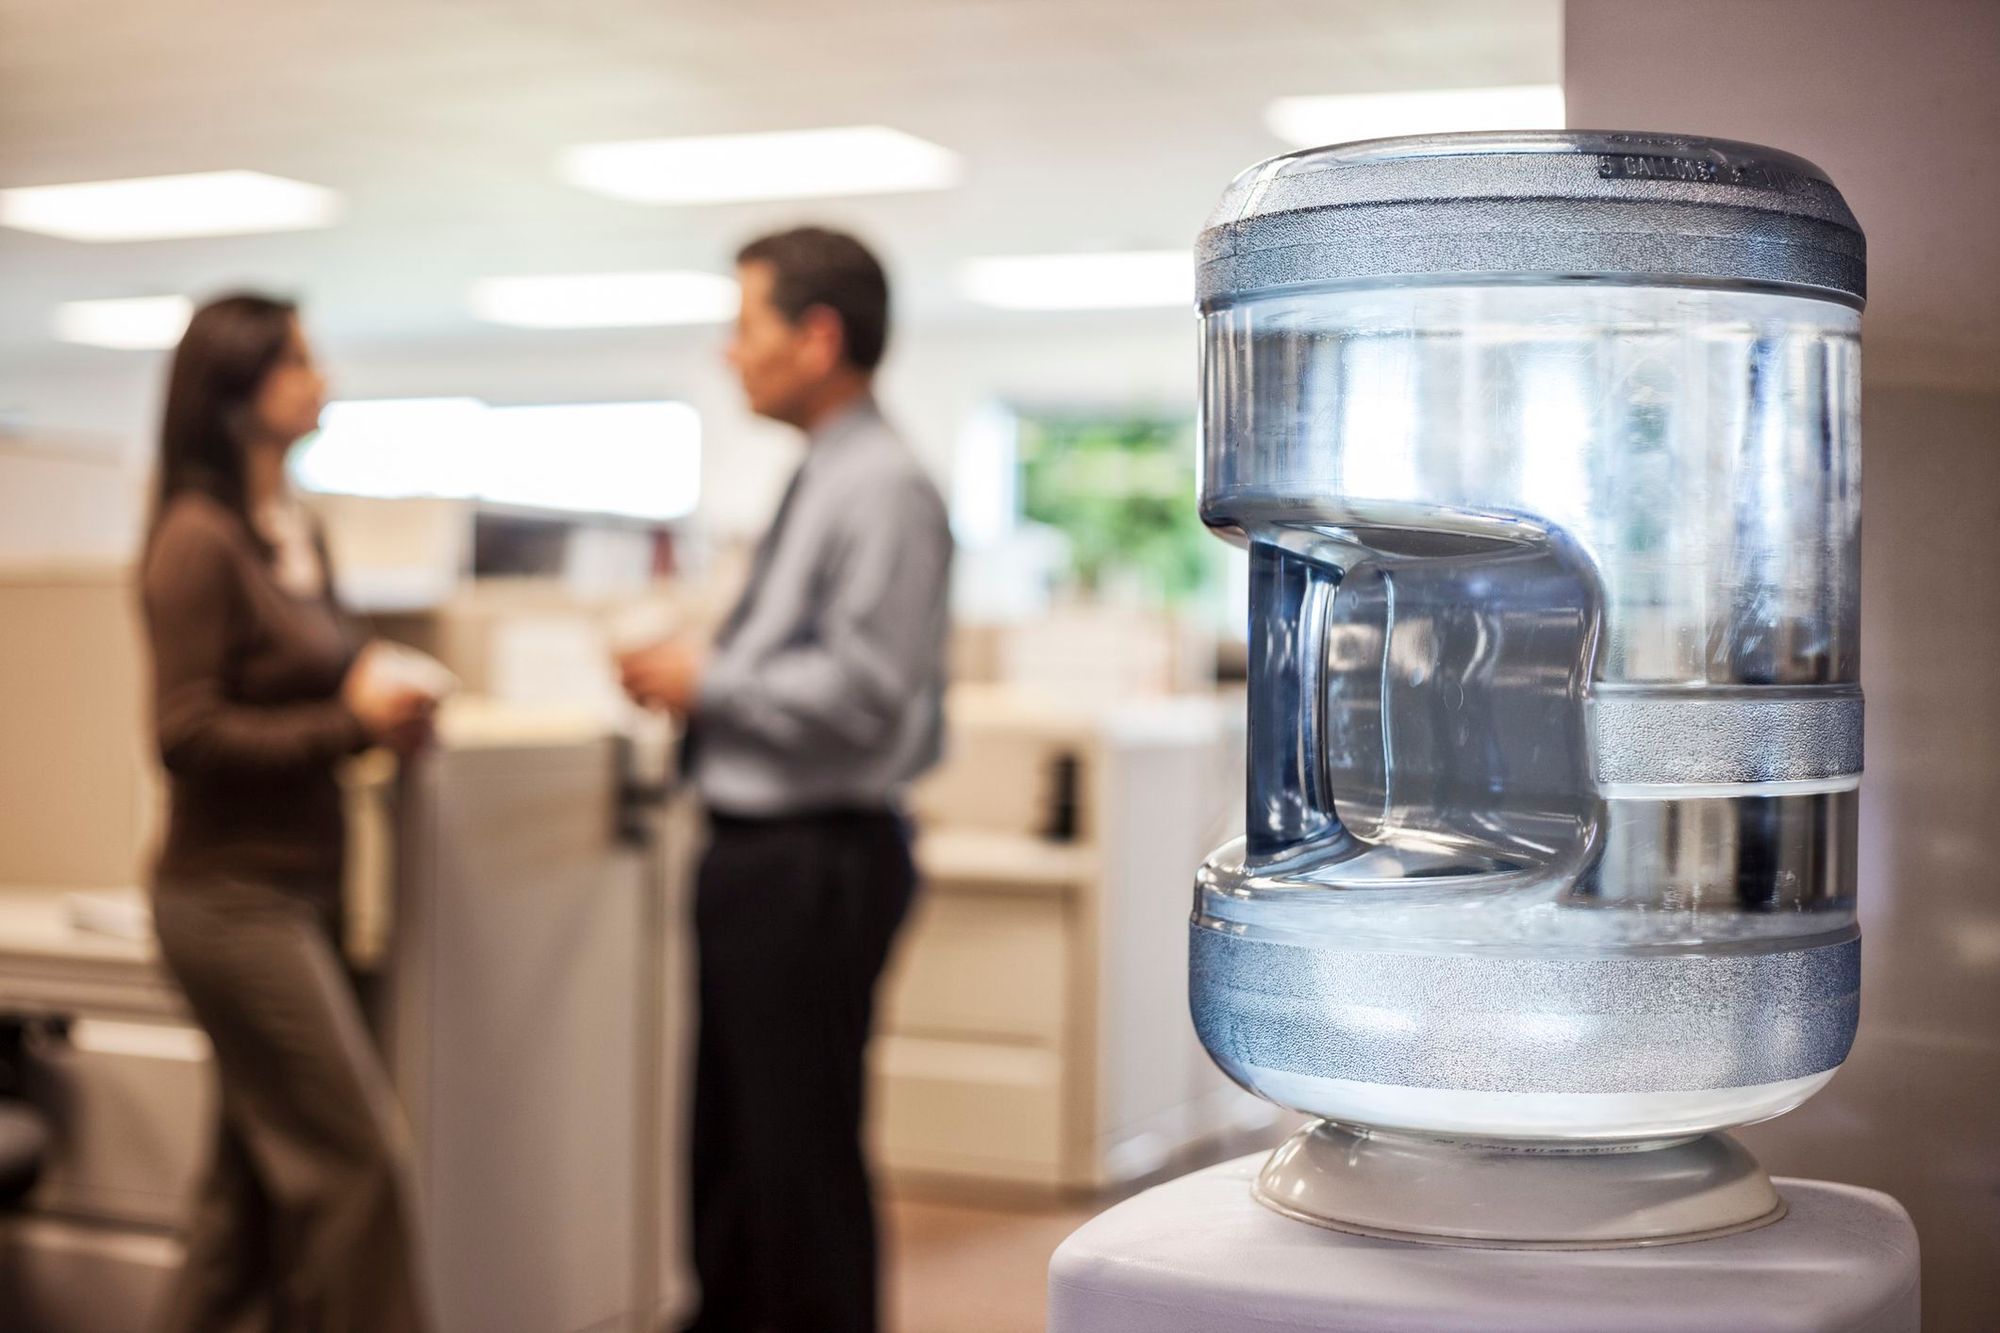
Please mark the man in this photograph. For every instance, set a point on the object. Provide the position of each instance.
(818, 702)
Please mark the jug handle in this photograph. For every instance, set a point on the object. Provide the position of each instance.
(1291, 802)
(1289, 808)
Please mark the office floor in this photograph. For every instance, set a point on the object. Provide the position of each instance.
(956, 1267)
(963, 1263)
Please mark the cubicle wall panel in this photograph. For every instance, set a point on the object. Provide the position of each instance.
(1169, 788)
(72, 696)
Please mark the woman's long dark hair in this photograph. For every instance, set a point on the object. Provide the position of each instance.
(230, 345)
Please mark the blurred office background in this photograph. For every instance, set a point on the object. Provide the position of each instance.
(535, 453)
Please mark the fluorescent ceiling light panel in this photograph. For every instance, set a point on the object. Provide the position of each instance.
(209, 203)
(790, 164)
(140, 323)
(1114, 281)
(1308, 122)
(606, 300)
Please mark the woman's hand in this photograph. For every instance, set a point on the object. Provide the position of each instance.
(394, 714)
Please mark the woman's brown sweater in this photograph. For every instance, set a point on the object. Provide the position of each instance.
(246, 702)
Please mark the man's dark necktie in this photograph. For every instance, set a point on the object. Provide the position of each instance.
(760, 564)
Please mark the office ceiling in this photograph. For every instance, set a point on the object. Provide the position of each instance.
(1084, 124)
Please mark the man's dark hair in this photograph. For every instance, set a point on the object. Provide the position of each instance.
(818, 267)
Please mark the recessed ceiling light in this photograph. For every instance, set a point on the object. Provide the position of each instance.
(132, 324)
(1113, 281)
(792, 164)
(208, 203)
(606, 300)
(1308, 122)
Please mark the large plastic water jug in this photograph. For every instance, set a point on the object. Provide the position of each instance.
(1545, 448)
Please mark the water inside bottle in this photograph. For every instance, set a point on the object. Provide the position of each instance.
(1474, 511)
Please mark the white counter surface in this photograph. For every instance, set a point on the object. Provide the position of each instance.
(38, 923)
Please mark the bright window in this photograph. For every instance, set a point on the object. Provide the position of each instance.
(635, 460)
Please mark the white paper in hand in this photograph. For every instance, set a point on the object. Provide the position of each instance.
(396, 666)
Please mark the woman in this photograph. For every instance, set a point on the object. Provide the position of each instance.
(259, 692)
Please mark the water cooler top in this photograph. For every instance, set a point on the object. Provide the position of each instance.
(1542, 204)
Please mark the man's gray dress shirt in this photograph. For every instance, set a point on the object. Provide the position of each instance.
(826, 687)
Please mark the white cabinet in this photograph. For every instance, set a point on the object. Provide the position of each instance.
(524, 1029)
(1034, 1027)
(130, 1094)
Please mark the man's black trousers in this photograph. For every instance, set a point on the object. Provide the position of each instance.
(793, 920)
